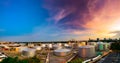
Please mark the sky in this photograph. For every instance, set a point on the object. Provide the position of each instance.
(53, 20)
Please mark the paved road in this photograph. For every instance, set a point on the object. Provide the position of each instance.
(111, 58)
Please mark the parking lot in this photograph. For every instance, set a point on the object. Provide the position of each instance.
(113, 57)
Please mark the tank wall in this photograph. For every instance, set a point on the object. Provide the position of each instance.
(28, 53)
(61, 53)
(86, 52)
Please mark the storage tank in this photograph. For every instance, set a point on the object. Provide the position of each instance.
(22, 48)
(43, 45)
(31, 45)
(16, 49)
(22, 44)
(50, 46)
(67, 45)
(92, 43)
(56, 46)
(28, 52)
(100, 46)
(37, 47)
(4, 46)
(81, 44)
(86, 51)
(106, 46)
(59, 44)
(14, 45)
(62, 52)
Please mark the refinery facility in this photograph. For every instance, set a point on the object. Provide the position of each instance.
(55, 52)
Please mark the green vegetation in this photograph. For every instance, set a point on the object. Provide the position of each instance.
(16, 60)
(99, 53)
(115, 46)
(76, 61)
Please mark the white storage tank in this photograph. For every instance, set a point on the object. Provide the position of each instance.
(31, 45)
(100, 46)
(92, 43)
(4, 46)
(38, 47)
(56, 46)
(62, 52)
(50, 46)
(43, 45)
(67, 46)
(22, 48)
(22, 44)
(106, 46)
(86, 51)
(28, 52)
(59, 44)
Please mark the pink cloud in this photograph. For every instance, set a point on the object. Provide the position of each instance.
(86, 16)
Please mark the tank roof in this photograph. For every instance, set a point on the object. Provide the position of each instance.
(29, 49)
(62, 50)
(87, 46)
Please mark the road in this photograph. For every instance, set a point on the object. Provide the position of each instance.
(111, 58)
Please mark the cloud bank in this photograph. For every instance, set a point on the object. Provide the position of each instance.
(92, 16)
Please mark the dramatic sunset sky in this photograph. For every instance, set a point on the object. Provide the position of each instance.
(47, 20)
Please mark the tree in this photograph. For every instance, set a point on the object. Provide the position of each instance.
(98, 39)
(16, 60)
(115, 46)
(11, 60)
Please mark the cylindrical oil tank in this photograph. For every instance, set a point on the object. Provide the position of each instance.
(38, 47)
(92, 43)
(67, 45)
(75, 45)
(22, 48)
(59, 44)
(62, 52)
(106, 46)
(43, 45)
(81, 44)
(56, 46)
(4, 46)
(31, 45)
(17, 49)
(86, 51)
(28, 52)
(100, 46)
(50, 46)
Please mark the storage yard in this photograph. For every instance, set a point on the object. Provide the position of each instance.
(55, 52)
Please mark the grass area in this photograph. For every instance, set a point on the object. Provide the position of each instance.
(17, 60)
(78, 60)
(13, 54)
